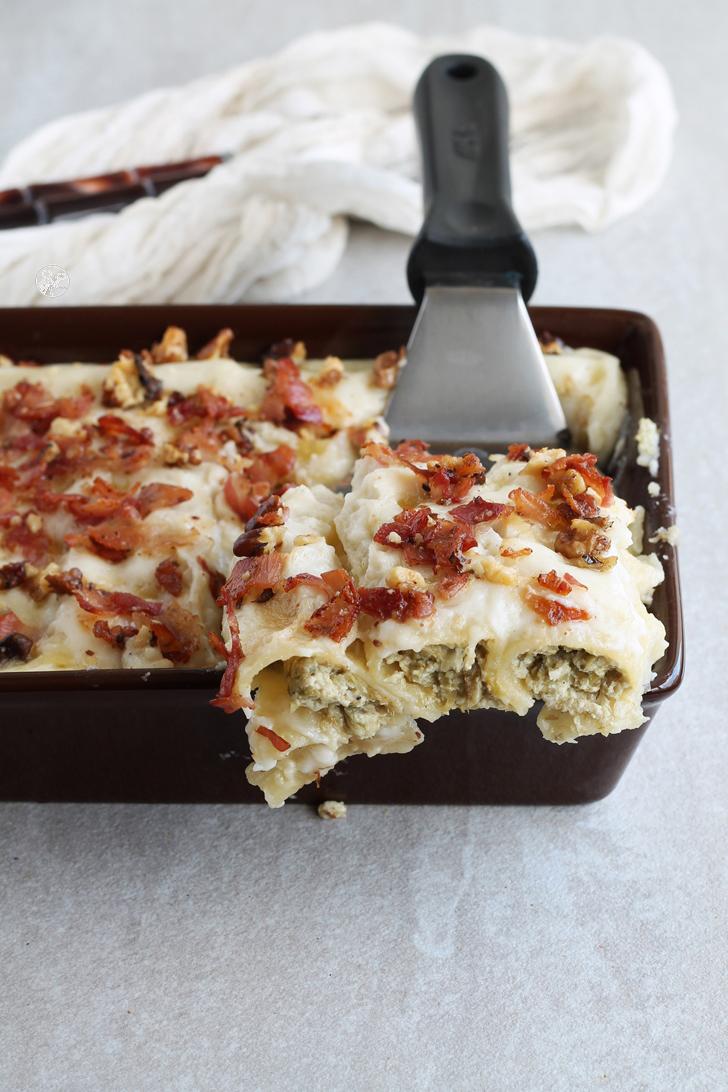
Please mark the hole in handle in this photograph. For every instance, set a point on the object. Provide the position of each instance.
(462, 70)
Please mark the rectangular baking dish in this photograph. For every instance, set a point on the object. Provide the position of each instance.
(152, 737)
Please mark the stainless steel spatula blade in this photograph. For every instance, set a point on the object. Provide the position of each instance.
(475, 376)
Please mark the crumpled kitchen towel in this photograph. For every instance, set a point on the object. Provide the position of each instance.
(319, 132)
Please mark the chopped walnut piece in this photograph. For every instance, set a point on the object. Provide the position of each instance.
(404, 579)
(550, 344)
(175, 456)
(172, 348)
(217, 349)
(386, 368)
(131, 381)
(489, 568)
(584, 546)
(332, 371)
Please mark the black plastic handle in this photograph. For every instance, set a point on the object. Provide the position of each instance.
(470, 234)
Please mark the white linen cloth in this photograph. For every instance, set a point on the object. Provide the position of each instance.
(319, 132)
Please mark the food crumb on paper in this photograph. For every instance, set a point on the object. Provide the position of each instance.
(332, 809)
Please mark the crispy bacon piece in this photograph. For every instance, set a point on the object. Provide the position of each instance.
(390, 603)
(508, 551)
(335, 579)
(449, 586)
(448, 542)
(253, 572)
(271, 513)
(335, 618)
(329, 582)
(104, 501)
(8, 477)
(13, 575)
(246, 489)
(278, 742)
(553, 611)
(288, 400)
(10, 623)
(535, 507)
(307, 580)
(480, 510)
(412, 449)
(115, 636)
(386, 368)
(168, 574)
(408, 527)
(160, 495)
(97, 601)
(215, 578)
(553, 582)
(35, 546)
(218, 645)
(427, 539)
(111, 425)
(452, 477)
(273, 467)
(215, 406)
(518, 453)
(573, 581)
(243, 495)
(116, 517)
(177, 633)
(218, 347)
(447, 478)
(32, 403)
(114, 539)
(235, 657)
(15, 646)
(566, 469)
(203, 404)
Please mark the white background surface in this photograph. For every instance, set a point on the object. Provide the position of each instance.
(509, 950)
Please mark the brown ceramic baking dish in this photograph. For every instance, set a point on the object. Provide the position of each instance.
(153, 737)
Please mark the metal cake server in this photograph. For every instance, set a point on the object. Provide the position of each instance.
(475, 377)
